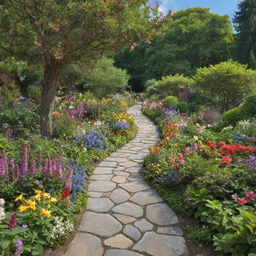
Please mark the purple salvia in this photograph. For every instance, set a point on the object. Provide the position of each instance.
(24, 161)
(33, 167)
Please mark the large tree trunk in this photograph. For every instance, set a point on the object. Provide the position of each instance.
(50, 87)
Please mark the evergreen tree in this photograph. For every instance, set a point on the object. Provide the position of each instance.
(245, 20)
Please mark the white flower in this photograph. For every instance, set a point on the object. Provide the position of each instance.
(2, 202)
(2, 214)
(195, 138)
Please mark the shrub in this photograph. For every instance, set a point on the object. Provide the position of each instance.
(170, 101)
(182, 107)
(246, 111)
(229, 81)
(170, 85)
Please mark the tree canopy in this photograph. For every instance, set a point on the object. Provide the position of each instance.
(245, 20)
(193, 38)
(59, 32)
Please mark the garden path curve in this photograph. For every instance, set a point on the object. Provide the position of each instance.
(125, 216)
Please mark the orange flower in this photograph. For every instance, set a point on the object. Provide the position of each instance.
(226, 160)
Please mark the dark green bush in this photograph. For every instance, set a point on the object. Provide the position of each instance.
(246, 111)
(170, 101)
(182, 107)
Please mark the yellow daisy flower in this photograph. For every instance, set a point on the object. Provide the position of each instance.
(53, 200)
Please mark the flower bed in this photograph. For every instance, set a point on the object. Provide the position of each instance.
(207, 174)
(42, 181)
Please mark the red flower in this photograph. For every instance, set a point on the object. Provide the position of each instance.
(211, 144)
(65, 193)
(226, 160)
(242, 201)
(13, 222)
(250, 195)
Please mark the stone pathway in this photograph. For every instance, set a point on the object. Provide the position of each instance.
(125, 216)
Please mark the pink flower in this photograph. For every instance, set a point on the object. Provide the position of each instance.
(250, 195)
(242, 201)
(180, 156)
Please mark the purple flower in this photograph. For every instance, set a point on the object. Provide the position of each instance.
(32, 168)
(19, 245)
(251, 162)
(24, 161)
(121, 125)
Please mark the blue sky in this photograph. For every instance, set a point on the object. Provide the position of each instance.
(216, 6)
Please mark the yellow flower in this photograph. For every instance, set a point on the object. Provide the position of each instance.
(37, 197)
(38, 192)
(23, 208)
(53, 200)
(19, 198)
(45, 213)
(46, 195)
(49, 206)
(84, 149)
(31, 204)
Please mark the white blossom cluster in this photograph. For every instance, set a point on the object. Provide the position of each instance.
(2, 212)
(61, 228)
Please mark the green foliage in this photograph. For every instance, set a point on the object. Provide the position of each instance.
(245, 111)
(229, 81)
(105, 79)
(170, 101)
(193, 38)
(182, 107)
(199, 234)
(245, 50)
(170, 85)
(34, 93)
(233, 116)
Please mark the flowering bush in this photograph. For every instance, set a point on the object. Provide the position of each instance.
(199, 170)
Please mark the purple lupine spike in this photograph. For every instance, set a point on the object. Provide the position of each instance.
(17, 171)
(2, 170)
(59, 168)
(53, 164)
(32, 167)
(39, 157)
(5, 162)
(12, 163)
(49, 171)
(24, 162)
(69, 178)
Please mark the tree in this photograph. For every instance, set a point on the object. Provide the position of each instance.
(245, 20)
(193, 38)
(59, 32)
(102, 79)
(229, 81)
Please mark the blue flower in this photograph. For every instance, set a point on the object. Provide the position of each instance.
(121, 125)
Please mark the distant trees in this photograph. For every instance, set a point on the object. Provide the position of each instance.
(194, 38)
(245, 20)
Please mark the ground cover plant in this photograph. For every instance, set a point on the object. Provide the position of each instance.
(42, 180)
(208, 174)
